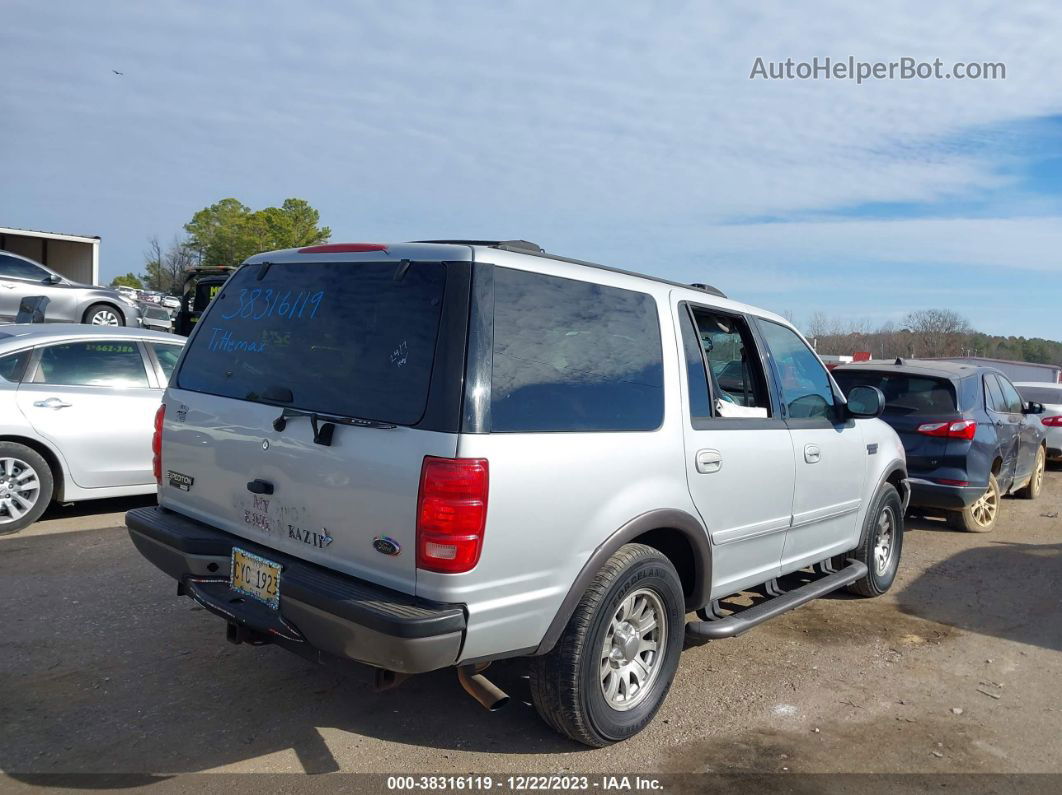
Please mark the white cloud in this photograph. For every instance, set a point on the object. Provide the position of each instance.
(582, 124)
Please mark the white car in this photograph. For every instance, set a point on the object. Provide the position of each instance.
(1050, 395)
(77, 404)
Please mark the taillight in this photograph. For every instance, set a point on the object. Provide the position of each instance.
(959, 429)
(1053, 422)
(156, 444)
(451, 513)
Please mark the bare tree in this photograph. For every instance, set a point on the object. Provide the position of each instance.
(937, 332)
(165, 267)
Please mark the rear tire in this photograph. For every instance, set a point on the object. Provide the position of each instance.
(103, 315)
(26, 486)
(613, 666)
(980, 517)
(881, 545)
(1036, 480)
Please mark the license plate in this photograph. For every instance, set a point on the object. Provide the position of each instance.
(255, 577)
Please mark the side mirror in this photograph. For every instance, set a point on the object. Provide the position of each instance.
(1033, 408)
(865, 402)
(52, 278)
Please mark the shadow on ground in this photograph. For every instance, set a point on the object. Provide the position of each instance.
(124, 676)
(1004, 589)
(94, 507)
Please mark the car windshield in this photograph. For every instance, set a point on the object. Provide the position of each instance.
(350, 339)
(904, 393)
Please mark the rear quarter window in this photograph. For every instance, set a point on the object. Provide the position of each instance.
(574, 356)
(904, 393)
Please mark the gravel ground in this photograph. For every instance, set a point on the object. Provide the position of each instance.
(104, 669)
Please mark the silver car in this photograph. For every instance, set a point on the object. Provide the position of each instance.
(439, 454)
(76, 409)
(1050, 396)
(68, 302)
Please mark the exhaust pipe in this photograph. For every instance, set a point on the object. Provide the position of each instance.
(488, 694)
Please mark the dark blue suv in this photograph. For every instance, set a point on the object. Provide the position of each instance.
(969, 437)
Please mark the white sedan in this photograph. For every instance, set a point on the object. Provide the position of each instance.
(77, 406)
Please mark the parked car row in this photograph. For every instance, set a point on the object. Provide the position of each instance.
(151, 297)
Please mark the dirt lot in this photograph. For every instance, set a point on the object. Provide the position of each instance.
(103, 668)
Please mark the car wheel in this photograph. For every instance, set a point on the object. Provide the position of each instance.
(881, 544)
(1036, 480)
(981, 516)
(612, 667)
(25, 486)
(103, 315)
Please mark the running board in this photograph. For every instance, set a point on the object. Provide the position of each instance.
(732, 626)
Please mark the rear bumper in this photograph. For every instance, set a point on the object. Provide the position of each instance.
(927, 494)
(323, 614)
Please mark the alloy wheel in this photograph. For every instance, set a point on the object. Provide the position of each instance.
(884, 541)
(19, 489)
(984, 510)
(105, 317)
(631, 653)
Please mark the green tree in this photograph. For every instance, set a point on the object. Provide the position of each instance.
(228, 232)
(129, 280)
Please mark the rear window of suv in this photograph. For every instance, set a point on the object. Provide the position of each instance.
(351, 339)
(904, 394)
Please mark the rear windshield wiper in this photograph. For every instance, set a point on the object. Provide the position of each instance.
(322, 434)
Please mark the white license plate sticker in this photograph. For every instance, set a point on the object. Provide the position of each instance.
(256, 577)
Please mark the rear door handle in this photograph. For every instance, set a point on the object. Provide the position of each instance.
(812, 454)
(52, 403)
(709, 461)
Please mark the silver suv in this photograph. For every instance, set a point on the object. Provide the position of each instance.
(444, 453)
(67, 301)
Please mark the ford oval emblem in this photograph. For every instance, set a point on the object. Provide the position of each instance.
(386, 545)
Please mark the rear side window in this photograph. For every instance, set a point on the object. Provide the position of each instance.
(167, 356)
(351, 339)
(574, 356)
(734, 368)
(113, 364)
(904, 394)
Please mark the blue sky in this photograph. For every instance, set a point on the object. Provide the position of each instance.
(626, 133)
